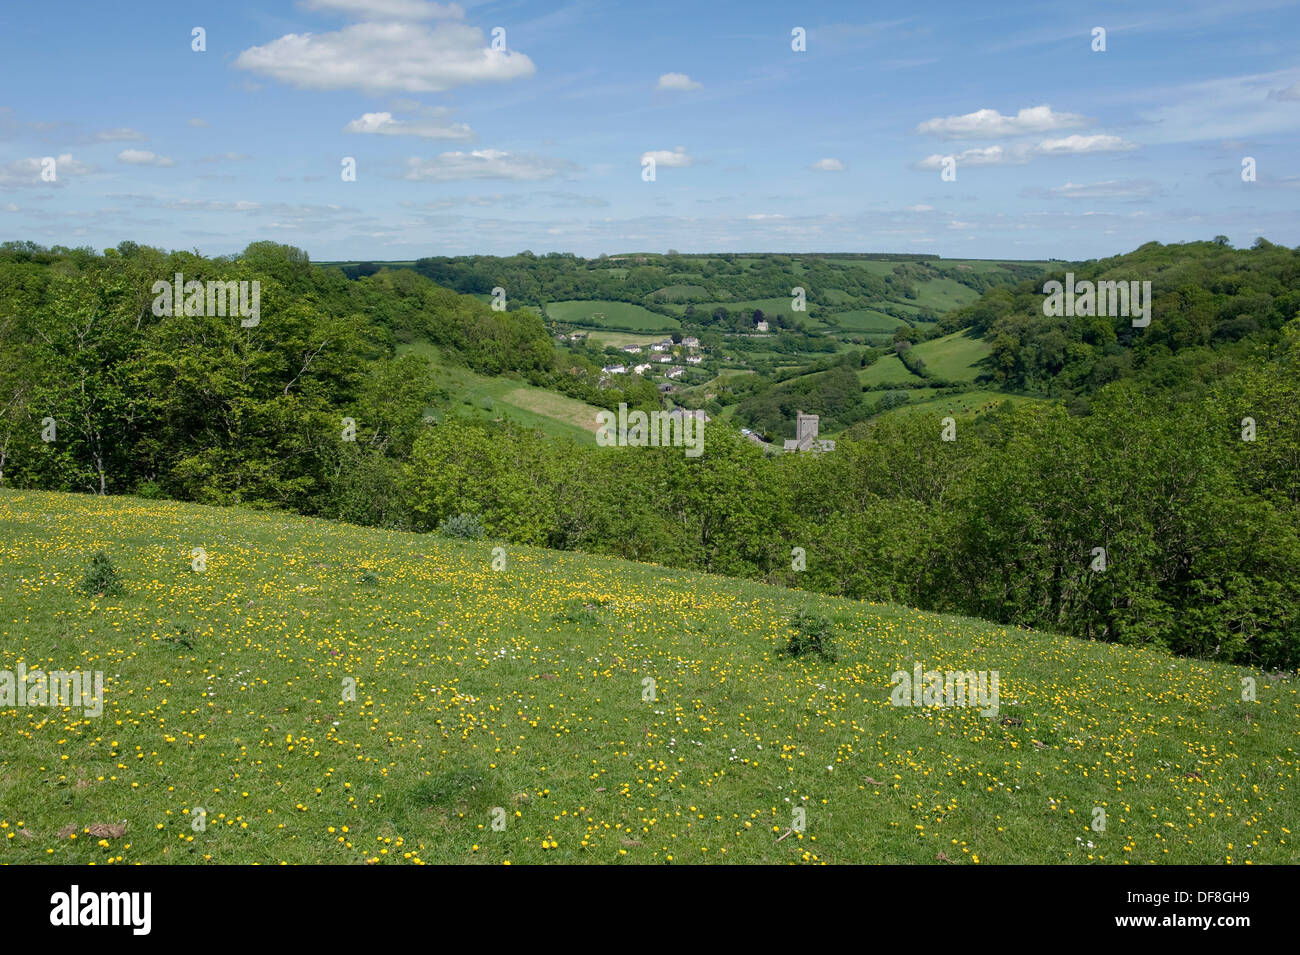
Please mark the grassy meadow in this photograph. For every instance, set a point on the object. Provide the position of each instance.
(955, 357)
(492, 397)
(595, 710)
(615, 316)
(886, 370)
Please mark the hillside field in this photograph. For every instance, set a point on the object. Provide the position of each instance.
(924, 401)
(492, 397)
(597, 710)
(886, 370)
(616, 316)
(955, 357)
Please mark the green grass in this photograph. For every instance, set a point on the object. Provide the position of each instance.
(616, 316)
(526, 690)
(864, 320)
(963, 404)
(914, 395)
(874, 266)
(888, 370)
(994, 265)
(481, 396)
(955, 357)
(943, 294)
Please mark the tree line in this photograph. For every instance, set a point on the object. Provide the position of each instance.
(1168, 514)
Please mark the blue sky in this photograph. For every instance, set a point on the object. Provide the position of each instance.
(1060, 150)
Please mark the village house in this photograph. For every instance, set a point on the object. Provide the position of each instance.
(698, 414)
(641, 369)
(663, 359)
(632, 349)
(691, 342)
(760, 327)
(675, 371)
(694, 359)
(615, 369)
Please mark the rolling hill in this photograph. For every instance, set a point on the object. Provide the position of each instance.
(578, 709)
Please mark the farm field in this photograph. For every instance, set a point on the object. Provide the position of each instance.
(942, 294)
(482, 396)
(603, 711)
(964, 403)
(616, 316)
(955, 357)
(864, 320)
(914, 395)
(887, 370)
(619, 339)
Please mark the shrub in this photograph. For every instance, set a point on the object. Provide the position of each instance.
(463, 526)
(183, 638)
(101, 578)
(812, 634)
(580, 611)
(149, 490)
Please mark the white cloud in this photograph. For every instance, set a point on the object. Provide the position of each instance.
(120, 134)
(828, 165)
(388, 9)
(573, 200)
(1109, 189)
(987, 156)
(201, 205)
(920, 208)
(1024, 152)
(484, 164)
(989, 123)
(677, 81)
(663, 157)
(200, 123)
(1292, 92)
(1237, 107)
(27, 172)
(226, 157)
(143, 157)
(1099, 143)
(386, 57)
(512, 200)
(383, 124)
